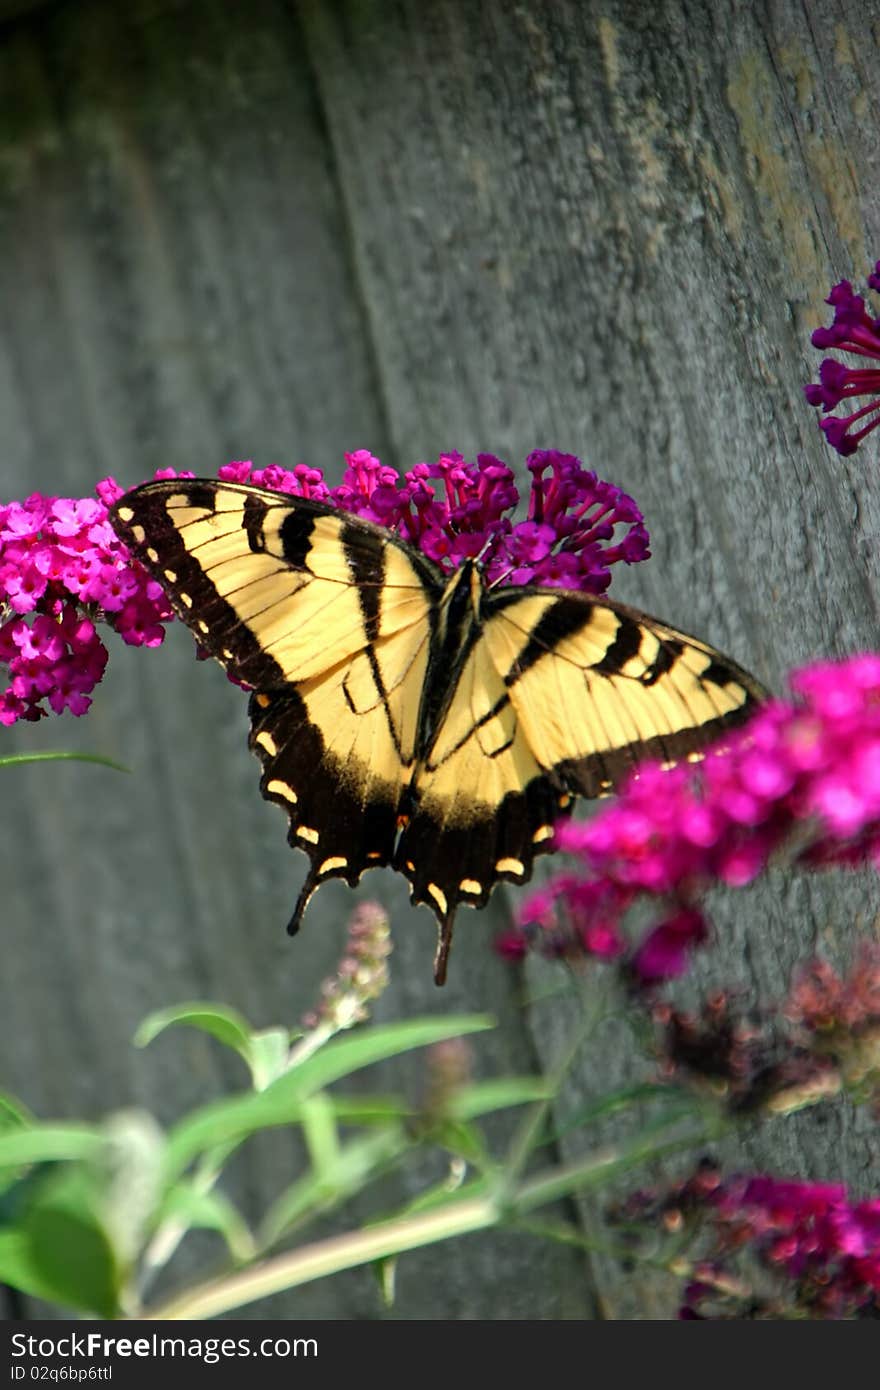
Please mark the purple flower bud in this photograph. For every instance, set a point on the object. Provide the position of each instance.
(854, 332)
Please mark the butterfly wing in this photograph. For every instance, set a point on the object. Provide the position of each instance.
(560, 695)
(329, 619)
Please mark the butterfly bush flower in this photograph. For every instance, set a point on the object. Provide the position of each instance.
(362, 974)
(852, 331)
(774, 1248)
(747, 1059)
(454, 510)
(812, 1237)
(802, 775)
(838, 1017)
(63, 568)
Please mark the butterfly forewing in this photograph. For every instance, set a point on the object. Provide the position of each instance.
(330, 620)
(599, 687)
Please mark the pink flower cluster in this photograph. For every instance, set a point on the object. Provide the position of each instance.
(811, 1234)
(852, 331)
(804, 775)
(61, 568)
(453, 509)
(770, 1247)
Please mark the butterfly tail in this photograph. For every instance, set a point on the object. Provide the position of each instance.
(444, 946)
(302, 902)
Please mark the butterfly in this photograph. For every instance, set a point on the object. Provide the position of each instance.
(409, 717)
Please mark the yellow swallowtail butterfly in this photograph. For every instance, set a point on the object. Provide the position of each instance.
(406, 717)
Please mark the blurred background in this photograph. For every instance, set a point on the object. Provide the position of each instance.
(278, 231)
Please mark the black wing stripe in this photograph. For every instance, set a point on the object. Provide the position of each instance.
(296, 538)
(667, 655)
(253, 519)
(559, 621)
(626, 645)
(368, 575)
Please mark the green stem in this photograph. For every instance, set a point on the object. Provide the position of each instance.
(13, 759)
(327, 1257)
(393, 1237)
(525, 1139)
(677, 1265)
(309, 1044)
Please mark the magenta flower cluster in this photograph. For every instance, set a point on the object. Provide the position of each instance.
(61, 568)
(768, 1247)
(811, 1234)
(453, 510)
(803, 774)
(852, 331)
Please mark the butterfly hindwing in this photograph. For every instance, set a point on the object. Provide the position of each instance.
(482, 801)
(560, 695)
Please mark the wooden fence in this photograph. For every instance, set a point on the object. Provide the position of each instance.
(279, 232)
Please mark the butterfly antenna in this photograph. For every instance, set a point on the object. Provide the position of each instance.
(302, 901)
(444, 946)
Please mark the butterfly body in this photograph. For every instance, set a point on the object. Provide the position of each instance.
(408, 717)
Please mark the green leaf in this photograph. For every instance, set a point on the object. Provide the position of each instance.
(226, 1121)
(615, 1101)
(17, 1185)
(13, 1113)
(226, 1025)
(66, 1247)
(13, 759)
(127, 1173)
(195, 1208)
(663, 1135)
(46, 1142)
(265, 1051)
(267, 1055)
(483, 1097)
(463, 1140)
(370, 1110)
(444, 1193)
(342, 1056)
(17, 1268)
(355, 1165)
(386, 1277)
(320, 1132)
(78, 1225)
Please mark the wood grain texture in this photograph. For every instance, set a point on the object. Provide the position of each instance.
(279, 232)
